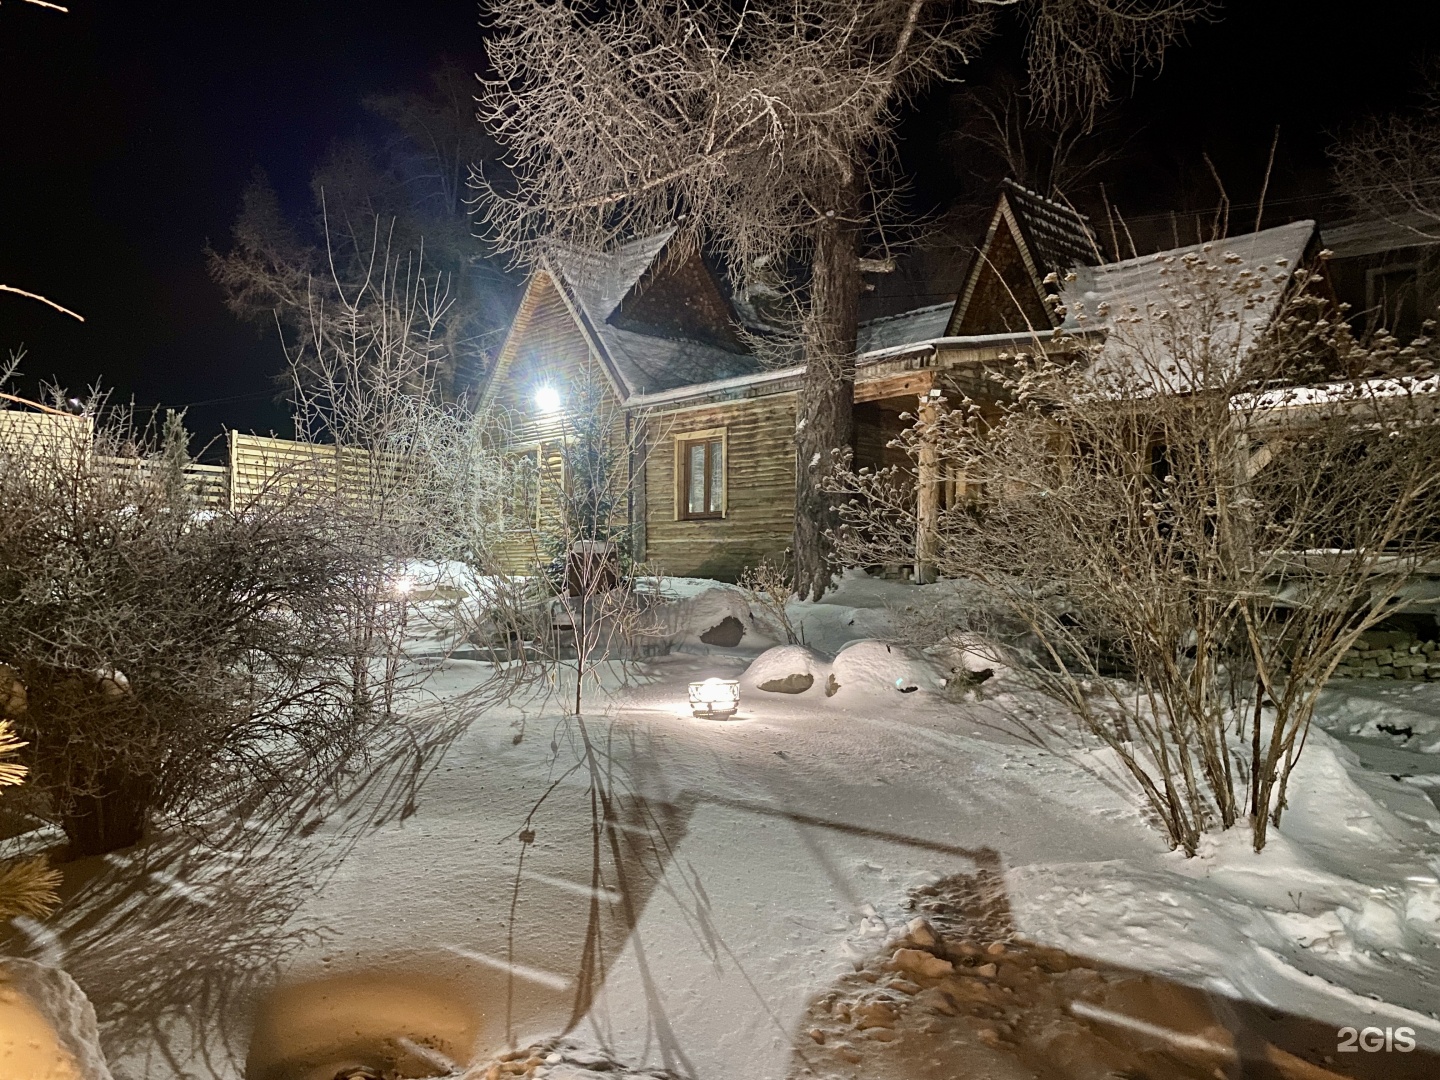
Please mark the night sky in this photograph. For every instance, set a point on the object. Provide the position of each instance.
(130, 129)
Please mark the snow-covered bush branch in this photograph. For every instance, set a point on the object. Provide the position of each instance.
(172, 658)
(1192, 519)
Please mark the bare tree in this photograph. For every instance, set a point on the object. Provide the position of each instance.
(1390, 166)
(767, 129)
(411, 188)
(1185, 525)
(998, 126)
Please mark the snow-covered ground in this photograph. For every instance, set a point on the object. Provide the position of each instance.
(679, 891)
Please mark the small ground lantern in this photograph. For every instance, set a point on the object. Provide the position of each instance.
(715, 699)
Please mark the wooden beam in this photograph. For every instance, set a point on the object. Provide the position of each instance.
(927, 492)
(907, 384)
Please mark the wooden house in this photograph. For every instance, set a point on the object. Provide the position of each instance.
(648, 337)
(1387, 270)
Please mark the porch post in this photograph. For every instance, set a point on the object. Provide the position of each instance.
(927, 491)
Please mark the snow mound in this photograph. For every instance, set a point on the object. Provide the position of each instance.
(695, 616)
(1330, 813)
(873, 667)
(1403, 714)
(865, 668)
(786, 669)
(34, 997)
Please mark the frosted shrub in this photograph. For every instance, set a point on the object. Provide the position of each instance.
(1190, 517)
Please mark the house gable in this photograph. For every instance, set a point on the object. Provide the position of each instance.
(1003, 292)
(1030, 237)
(548, 346)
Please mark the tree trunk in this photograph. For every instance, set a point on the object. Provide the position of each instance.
(826, 424)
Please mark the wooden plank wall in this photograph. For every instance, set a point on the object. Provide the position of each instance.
(269, 468)
(551, 351)
(759, 495)
(264, 467)
(72, 437)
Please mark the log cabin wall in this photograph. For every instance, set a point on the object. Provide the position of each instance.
(759, 514)
(548, 349)
(877, 425)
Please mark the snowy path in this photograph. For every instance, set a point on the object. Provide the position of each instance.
(741, 867)
(752, 851)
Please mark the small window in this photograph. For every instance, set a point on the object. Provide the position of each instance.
(701, 464)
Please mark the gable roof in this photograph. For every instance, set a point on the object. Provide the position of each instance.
(598, 284)
(1143, 292)
(596, 287)
(600, 280)
(1045, 236)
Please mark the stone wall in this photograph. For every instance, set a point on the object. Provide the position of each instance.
(1391, 654)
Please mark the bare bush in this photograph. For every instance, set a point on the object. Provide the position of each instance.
(768, 585)
(1192, 521)
(175, 658)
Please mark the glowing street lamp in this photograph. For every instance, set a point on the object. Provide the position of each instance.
(715, 699)
(547, 399)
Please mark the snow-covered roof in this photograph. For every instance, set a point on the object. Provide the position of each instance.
(1059, 235)
(906, 328)
(1141, 303)
(770, 380)
(654, 364)
(599, 282)
(1340, 393)
(1375, 236)
(649, 363)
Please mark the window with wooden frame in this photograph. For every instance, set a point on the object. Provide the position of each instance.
(700, 475)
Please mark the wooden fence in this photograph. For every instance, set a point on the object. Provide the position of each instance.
(258, 467)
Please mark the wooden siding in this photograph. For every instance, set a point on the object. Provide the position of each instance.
(1003, 296)
(759, 482)
(548, 348)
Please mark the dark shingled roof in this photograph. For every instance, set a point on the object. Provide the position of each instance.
(600, 281)
(1058, 235)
